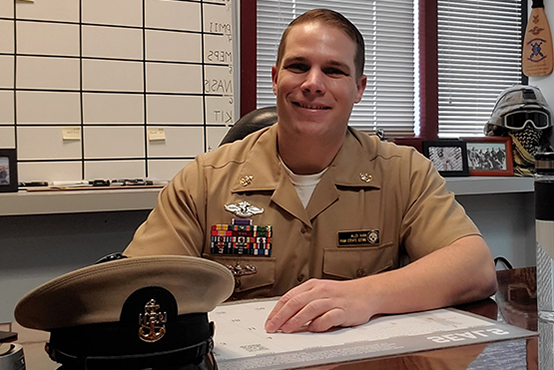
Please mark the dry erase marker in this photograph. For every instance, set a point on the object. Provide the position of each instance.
(71, 183)
(25, 184)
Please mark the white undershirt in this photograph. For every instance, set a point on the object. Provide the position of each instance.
(304, 184)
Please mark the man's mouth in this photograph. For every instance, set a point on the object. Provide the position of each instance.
(310, 106)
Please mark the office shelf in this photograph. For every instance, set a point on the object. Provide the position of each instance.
(77, 201)
(476, 185)
(107, 200)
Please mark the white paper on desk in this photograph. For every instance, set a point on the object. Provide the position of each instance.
(241, 341)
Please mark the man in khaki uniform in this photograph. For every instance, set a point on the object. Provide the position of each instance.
(312, 198)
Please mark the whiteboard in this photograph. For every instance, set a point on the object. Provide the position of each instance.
(115, 88)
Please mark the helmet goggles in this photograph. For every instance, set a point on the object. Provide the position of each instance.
(519, 119)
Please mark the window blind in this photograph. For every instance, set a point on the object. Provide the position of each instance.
(479, 55)
(388, 103)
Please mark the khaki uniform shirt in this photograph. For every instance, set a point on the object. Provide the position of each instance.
(376, 201)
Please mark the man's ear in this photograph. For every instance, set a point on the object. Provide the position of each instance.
(274, 74)
(360, 85)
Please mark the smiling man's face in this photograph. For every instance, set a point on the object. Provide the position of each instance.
(316, 84)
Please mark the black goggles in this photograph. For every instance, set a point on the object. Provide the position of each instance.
(518, 120)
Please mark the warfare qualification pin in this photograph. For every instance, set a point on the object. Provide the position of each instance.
(243, 209)
(152, 323)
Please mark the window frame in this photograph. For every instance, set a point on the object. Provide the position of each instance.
(428, 65)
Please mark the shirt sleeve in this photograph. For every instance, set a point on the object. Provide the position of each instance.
(433, 218)
(174, 226)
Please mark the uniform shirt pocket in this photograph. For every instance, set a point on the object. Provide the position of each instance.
(250, 273)
(350, 263)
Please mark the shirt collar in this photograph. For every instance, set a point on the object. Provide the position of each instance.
(262, 170)
(364, 173)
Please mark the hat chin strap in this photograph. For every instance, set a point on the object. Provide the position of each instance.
(172, 358)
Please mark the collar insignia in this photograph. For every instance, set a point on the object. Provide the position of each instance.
(243, 209)
(152, 323)
(246, 180)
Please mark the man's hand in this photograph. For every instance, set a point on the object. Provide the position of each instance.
(459, 273)
(321, 305)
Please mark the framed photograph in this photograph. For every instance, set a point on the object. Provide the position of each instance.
(448, 156)
(8, 170)
(490, 156)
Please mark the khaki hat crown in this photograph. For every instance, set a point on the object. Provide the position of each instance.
(96, 294)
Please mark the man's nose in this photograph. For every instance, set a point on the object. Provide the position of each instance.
(314, 82)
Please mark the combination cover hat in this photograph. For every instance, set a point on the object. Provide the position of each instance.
(131, 313)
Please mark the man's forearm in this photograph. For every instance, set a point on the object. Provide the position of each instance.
(460, 273)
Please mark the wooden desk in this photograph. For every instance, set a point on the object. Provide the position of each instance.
(515, 303)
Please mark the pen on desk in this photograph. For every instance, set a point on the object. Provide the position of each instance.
(137, 182)
(71, 183)
(100, 182)
(25, 184)
(159, 182)
(129, 182)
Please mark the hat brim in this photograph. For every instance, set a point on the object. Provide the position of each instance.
(95, 294)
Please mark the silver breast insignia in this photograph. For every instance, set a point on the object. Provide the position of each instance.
(243, 209)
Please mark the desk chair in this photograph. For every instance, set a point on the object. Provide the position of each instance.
(250, 122)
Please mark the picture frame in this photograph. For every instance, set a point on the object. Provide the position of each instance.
(448, 156)
(490, 156)
(8, 170)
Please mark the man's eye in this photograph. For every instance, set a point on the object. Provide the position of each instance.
(297, 67)
(335, 71)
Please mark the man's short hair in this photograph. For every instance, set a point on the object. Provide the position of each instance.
(334, 19)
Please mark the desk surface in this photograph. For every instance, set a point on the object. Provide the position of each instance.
(515, 304)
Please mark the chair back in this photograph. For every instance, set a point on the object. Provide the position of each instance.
(253, 121)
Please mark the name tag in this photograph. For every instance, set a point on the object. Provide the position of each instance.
(353, 238)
